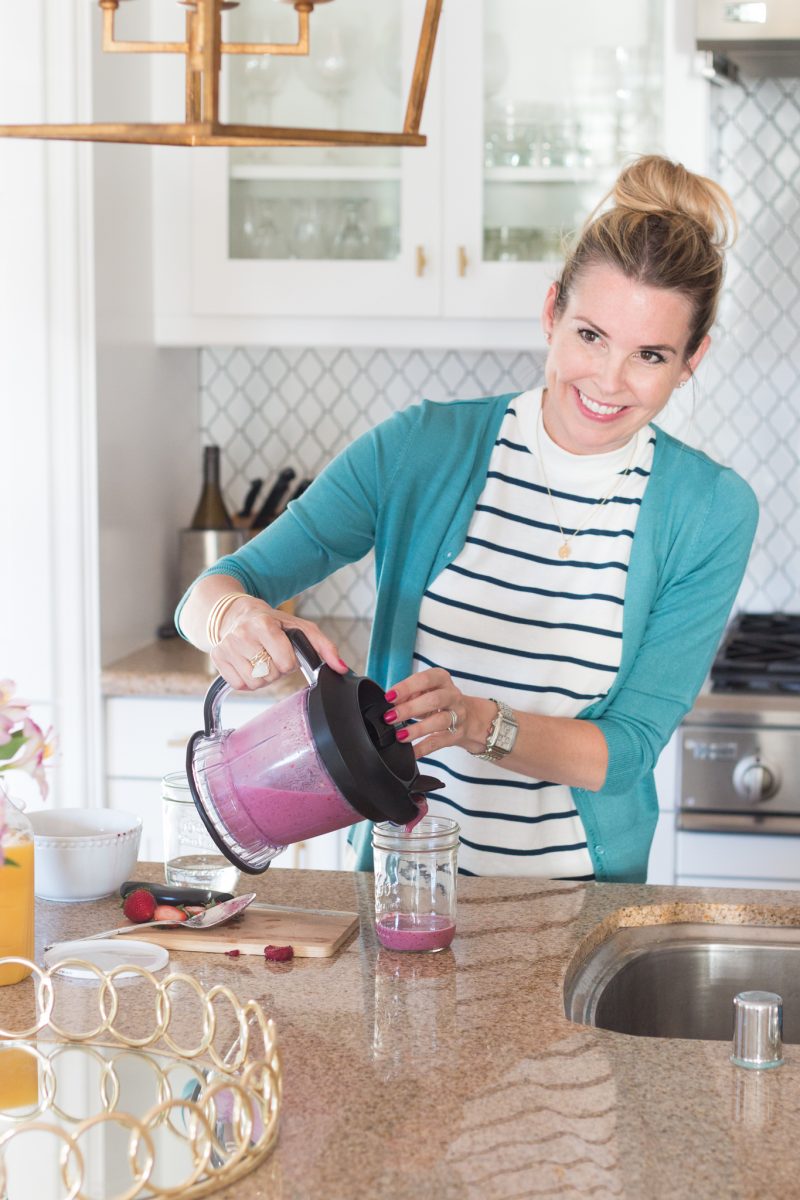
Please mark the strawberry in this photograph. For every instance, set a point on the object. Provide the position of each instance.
(168, 912)
(278, 953)
(139, 905)
(194, 909)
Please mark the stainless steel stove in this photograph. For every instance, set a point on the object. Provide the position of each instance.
(740, 745)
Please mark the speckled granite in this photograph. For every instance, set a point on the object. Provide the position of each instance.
(174, 668)
(457, 1075)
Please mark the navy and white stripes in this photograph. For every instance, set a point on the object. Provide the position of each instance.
(509, 618)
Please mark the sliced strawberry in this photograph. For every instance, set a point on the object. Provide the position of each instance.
(279, 953)
(168, 912)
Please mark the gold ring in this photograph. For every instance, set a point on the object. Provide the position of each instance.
(261, 665)
(453, 726)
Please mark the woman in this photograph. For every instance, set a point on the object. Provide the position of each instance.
(553, 573)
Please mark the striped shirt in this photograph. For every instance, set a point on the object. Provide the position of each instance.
(510, 619)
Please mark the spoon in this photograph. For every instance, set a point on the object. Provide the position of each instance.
(204, 920)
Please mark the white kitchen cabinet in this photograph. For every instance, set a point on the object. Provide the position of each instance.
(530, 110)
(146, 739)
(737, 860)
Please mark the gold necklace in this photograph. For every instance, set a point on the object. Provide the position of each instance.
(616, 484)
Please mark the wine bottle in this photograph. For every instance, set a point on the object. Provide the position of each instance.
(270, 506)
(211, 512)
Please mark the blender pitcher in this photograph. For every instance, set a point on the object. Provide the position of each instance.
(318, 760)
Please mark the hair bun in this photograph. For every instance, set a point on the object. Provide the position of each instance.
(653, 184)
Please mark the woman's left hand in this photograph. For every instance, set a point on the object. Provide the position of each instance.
(441, 713)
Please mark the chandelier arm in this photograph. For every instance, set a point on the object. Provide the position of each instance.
(300, 47)
(422, 66)
(112, 46)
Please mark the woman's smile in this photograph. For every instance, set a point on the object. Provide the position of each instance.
(596, 411)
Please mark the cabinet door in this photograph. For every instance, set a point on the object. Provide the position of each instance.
(543, 104)
(290, 231)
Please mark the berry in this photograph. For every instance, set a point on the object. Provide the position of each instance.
(139, 905)
(233, 953)
(193, 909)
(278, 953)
(168, 912)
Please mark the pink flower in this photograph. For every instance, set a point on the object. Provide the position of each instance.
(23, 745)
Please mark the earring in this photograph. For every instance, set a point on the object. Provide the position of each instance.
(548, 337)
(683, 383)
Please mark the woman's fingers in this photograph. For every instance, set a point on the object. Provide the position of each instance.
(256, 650)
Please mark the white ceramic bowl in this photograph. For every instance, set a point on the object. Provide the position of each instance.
(83, 853)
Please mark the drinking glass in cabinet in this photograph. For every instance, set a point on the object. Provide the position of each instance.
(334, 60)
(262, 227)
(352, 237)
(508, 135)
(264, 76)
(308, 237)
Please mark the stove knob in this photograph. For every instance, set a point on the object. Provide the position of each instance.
(755, 781)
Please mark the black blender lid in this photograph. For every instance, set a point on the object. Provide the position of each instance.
(376, 774)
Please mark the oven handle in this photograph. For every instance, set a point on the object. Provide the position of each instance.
(729, 822)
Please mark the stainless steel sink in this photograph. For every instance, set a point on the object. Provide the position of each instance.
(678, 981)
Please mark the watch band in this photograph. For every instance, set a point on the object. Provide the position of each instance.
(502, 733)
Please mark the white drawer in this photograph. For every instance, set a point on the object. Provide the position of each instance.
(146, 736)
(781, 885)
(737, 856)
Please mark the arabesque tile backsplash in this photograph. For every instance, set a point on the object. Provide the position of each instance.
(268, 407)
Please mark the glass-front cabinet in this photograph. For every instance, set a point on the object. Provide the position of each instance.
(532, 108)
(312, 231)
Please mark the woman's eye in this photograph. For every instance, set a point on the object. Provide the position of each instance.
(590, 336)
(652, 356)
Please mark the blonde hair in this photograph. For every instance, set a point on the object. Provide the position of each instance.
(667, 228)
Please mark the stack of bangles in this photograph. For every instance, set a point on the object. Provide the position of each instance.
(218, 610)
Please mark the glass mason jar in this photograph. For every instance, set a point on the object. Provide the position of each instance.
(16, 893)
(415, 884)
(191, 857)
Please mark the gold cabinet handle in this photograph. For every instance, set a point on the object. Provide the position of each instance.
(422, 261)
(463, 261)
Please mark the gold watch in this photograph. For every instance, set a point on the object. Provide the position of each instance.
(502, 733)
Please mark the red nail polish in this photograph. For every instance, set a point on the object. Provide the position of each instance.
(343, 664)
(390, 716)
(401, 735)
(390, 696)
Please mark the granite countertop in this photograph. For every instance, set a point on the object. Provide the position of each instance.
(458, 1076)
(172, 667)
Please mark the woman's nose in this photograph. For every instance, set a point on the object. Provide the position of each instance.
(612, 375)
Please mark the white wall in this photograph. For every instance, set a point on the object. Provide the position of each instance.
(147, 419)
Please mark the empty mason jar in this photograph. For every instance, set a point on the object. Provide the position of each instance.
(415, 884)
(191, 857)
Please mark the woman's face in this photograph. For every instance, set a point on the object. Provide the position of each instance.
(617, 351)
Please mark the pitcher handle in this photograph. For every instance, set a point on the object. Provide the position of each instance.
(310, 662)
(212, 705)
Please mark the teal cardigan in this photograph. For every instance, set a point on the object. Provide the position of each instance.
(408, 489)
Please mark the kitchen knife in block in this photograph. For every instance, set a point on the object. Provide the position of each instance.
(312, 933)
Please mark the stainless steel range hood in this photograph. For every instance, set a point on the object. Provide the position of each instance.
(762, 39)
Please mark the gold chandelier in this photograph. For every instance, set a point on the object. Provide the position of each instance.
(203, 50)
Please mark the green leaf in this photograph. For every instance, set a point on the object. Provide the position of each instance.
(9, 862)
(10, 748)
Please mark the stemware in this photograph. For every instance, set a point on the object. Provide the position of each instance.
(352, 238)
(261, 228)
(307, 238)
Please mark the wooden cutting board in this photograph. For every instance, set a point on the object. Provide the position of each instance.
(312, 933)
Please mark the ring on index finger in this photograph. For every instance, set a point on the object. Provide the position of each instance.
(453, 726)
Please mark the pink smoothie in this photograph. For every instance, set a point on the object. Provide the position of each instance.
(269, 786)
(399, 931)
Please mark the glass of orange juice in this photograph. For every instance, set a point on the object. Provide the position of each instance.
(16, 894)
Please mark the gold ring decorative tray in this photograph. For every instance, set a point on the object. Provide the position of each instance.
(125, 1086)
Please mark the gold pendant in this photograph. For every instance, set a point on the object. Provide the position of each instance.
(563, 551)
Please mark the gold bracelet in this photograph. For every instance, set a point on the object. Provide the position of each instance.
(218, 610)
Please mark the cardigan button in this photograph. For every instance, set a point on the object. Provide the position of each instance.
(599, 849)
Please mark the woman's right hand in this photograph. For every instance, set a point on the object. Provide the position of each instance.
(250, 628)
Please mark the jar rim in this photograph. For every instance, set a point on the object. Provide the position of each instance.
(175, 786)
(431, 833)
